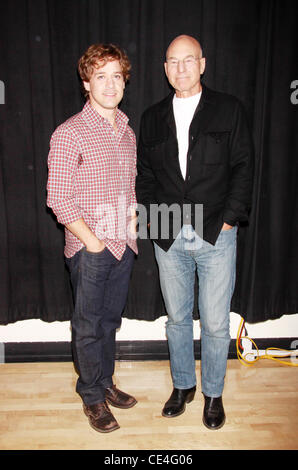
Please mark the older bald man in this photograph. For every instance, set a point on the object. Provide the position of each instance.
(195, 152)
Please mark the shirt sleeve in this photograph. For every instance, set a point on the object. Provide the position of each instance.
(63, 162)
(133, 198)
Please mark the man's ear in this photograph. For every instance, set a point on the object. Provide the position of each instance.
(166, 68)
(202, 65)
(86, 85)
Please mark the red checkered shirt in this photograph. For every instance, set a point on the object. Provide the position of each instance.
(92, 173)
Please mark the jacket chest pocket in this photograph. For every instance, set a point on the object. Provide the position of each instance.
(156, 153)
(216, 147)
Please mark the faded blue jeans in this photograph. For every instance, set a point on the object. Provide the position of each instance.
(216, 267)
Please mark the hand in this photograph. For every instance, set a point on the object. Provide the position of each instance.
(95, 246)
(226, 226)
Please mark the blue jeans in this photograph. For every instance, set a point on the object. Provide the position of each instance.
(215, 266)
(100, 285)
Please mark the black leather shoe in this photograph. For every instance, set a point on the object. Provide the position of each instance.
(214, 414)
(175, 405)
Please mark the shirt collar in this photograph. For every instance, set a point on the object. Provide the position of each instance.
(94, 119)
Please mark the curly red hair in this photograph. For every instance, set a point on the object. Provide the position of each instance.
(102, 53)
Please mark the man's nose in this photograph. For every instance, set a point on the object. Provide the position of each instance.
(110, 82)
(181, 66)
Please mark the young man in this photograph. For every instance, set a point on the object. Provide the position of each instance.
(195, 150)
(91, 190)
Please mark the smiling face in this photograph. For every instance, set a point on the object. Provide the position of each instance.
(106, 87)
(184, 66)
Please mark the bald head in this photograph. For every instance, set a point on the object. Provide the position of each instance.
(184, 42)
(184, 65)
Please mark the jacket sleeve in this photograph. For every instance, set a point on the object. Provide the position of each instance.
(145, 180)
(238, 201)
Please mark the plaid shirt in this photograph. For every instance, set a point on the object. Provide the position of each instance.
(92, 174)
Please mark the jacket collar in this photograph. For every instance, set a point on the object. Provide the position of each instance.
(207, 97)
(207, 100)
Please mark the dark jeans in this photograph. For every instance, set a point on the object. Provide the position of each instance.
(100, 285)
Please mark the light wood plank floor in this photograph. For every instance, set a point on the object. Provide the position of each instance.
(39, 409)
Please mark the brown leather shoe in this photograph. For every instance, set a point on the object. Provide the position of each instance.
(116, 397)
(100, 417)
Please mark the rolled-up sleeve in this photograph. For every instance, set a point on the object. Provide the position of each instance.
(63, 162)
(133, 198)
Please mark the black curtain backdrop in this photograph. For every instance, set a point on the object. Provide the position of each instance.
(251, 49)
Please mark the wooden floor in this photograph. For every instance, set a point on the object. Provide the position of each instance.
(39, 409)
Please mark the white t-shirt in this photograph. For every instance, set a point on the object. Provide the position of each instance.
(184, 109)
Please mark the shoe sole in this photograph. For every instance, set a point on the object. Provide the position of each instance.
(98, 429)
(212, 428)
(103, 430)
(189, 400)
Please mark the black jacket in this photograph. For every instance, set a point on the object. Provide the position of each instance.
(219, 164)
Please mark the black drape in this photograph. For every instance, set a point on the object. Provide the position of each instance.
(251, 50)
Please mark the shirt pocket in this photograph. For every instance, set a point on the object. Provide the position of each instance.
(216, 147)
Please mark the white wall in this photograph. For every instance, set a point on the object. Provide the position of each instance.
(39, 331)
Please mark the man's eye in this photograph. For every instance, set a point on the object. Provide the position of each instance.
(100, 77)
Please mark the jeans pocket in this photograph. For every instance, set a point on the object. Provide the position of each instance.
(93, 254)
(226, 236)
(95, 265)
